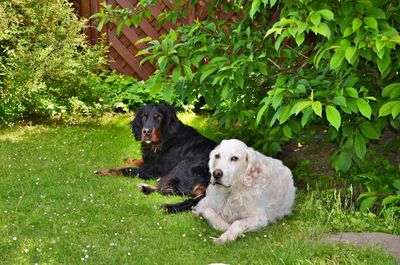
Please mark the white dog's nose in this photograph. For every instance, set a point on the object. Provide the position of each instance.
(218, 173)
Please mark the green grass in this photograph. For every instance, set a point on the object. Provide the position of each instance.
(54, 210)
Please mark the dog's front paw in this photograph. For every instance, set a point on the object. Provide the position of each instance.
(107, 172)
(133, 161)
(146, 188)
(219, 240)
(102, 172)
(224, 238)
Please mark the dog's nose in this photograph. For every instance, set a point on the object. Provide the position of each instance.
(146, 131)
(218, 173)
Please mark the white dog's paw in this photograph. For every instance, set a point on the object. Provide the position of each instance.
(224, 238)
(219, 240)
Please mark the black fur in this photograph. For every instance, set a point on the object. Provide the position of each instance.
(179, 158)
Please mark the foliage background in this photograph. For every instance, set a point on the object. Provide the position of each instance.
(45, 60)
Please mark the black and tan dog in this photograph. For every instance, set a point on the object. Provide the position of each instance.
(174, 153)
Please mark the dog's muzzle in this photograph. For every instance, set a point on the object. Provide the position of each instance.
(146, 134)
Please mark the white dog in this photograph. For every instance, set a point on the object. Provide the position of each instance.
(248, 190)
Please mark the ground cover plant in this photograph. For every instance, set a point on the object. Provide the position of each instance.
(54, 210)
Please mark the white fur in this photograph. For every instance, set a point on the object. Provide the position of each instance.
(254, 191)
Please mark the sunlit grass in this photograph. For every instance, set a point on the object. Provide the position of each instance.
(54, 210)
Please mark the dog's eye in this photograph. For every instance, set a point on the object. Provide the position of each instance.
(157, 117)
(217, 156)
(145, 115)
(234, 158)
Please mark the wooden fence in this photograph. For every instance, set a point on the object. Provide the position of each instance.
(123, 49)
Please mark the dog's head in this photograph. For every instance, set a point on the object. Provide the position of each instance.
(233, 163)
(155, 123)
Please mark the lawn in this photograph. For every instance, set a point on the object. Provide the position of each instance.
(54, 210)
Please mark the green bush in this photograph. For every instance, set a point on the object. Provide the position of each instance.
(321, 65)
(45, 60)
(332, 64)
(117, 92)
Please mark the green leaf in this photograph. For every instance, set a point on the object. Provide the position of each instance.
(315, 18)
(276, 100)
(262, 67)
(300, 106)
(371, 22)
(101, 25)
(349, 53)
(287, 131)
(142, 52)
(188, 72)
(276, 115)
(211, 26)
(360, 146)
(390, 199)
(392, 90)
(342, 161)
(364, 108)
(272, 2)
(255, 7)
(356, 24)
(380, 44)
(176, 74)
(326, 13)
(317, 108)
(285, 114)
(206, 74)
(299, 39)
(225, 91)
(333, 116)
(396, 110)
(384, 63)
(386, 108)
(337, 59)
(322, 29)
(370, 132)
(352, 92)
(340, 101)
(260, 113)
(367, 203)
(347, 31)
(307, 115)
(218, 59)
(396, 184)
(239, 80)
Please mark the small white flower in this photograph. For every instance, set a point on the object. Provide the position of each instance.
(183, 235)
(129, 253)
(14, 238)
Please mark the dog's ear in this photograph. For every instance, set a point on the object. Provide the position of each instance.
(253, 170)
(211, 161)
(137, 124)
(172, 122)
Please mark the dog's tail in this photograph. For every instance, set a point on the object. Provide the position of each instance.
(186, 205)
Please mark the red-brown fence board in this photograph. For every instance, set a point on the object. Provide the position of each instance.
(122, 46)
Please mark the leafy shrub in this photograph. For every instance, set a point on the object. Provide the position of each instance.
(45, 59)
(332, 64)
(117, 92)
(381, 185)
